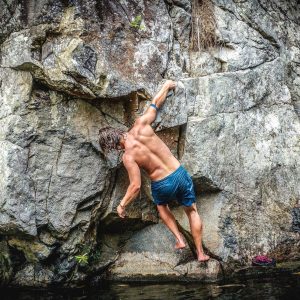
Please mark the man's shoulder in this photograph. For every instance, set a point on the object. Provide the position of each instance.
(140, 127)
(127, 157)
(129, 162)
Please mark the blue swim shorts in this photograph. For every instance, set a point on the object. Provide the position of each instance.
(178, 185)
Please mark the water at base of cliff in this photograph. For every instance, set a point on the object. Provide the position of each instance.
(261, 289)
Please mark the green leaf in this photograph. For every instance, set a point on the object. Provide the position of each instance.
(82, 259)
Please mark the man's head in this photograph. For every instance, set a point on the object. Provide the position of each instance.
(109, 138)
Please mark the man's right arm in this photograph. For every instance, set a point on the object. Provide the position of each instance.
(134, 186)
(150, 115)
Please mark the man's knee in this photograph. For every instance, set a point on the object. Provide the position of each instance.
(191, 209)
(162, 207)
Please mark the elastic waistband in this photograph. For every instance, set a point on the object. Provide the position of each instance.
(178, 170)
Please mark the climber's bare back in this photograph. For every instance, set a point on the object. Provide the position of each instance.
(150, 153)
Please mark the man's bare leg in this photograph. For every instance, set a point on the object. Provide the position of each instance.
(169, 219)
(196, 229)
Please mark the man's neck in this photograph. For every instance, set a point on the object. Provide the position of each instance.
(122, 140)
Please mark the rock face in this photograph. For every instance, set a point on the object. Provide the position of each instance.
(69, 68)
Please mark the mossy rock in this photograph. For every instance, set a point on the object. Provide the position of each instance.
(5, 263)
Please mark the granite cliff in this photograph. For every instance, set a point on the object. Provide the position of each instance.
(68, 68)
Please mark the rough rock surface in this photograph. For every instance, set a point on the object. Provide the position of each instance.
(150, 254)
(68, 68)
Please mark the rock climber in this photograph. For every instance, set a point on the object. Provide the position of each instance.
(169, 179)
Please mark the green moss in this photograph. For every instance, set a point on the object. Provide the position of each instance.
(95, 257)
(137, 23)
(33, 250)
(5, 263)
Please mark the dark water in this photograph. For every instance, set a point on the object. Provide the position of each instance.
(261, 289)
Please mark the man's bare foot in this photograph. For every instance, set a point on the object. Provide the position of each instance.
(180, 244)
(203, 257)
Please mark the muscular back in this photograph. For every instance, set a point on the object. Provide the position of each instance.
(149, 151)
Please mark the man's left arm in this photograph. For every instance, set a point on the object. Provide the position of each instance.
(134, 186)
(149, 116)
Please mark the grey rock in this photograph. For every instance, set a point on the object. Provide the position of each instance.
(242, 147)
(33, 276)
(185, 4)
(174, 110)
(150, 253)
(17, 209)
(65, 49)
(68, 69)
(181, 25)
(296, 219)
(86, 59)
(33, 250)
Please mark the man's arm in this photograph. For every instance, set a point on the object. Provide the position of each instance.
(134, 186)
(149, 116)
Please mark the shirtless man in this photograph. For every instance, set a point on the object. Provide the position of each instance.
(169, 180)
